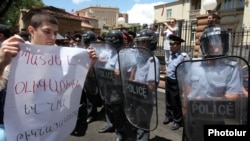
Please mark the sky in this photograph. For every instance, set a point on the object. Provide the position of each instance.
(139, 11)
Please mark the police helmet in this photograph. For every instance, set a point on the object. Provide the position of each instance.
(148, 36)
(88, 37)
(77, 37)
(115, 37)
(214, 41)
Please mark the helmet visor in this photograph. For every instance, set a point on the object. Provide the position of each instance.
(215, 43)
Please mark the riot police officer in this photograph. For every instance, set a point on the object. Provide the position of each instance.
(214, 43)
(111, 91)
(89, 92)
(90, 86)
(146, 71)
(211, 82)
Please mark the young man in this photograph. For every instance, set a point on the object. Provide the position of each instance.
(212, 20)
(43, 29)
(169, 28)
(173, 103)
(154, 27)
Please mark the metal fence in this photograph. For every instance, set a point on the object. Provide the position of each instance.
(240, 41)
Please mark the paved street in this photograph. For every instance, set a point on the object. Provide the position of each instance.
(162, 133)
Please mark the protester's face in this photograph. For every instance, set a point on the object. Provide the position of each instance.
(210, 20)
(172, 22)
(45, 34)
(153, 27)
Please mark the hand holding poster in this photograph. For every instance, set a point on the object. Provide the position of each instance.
(44, 91)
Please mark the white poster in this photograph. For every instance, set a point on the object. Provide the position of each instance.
(44, 92)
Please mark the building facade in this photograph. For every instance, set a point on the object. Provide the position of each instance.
(233, 13)
(107, 16)
(69, 23)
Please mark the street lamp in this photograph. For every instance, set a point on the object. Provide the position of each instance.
(121, 21)
(209, 5)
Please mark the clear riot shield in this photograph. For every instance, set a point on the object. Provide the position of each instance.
(138, 73)
(107, 73)
(212, 94)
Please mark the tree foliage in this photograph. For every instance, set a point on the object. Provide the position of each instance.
(10, 9)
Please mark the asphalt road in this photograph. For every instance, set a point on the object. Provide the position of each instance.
(161, 133)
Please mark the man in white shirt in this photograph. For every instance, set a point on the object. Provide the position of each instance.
(171, 28)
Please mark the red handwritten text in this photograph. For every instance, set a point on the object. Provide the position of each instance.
(49, 59)
(57, 86)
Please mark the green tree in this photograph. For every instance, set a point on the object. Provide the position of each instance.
(10, 9)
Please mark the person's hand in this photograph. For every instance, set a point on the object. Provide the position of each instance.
(132, 73)
(166, 24)
(92, 55)
(9, 49)
(117, 72)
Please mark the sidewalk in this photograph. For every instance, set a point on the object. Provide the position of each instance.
(162, 133)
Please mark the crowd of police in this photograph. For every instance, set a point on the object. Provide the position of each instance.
(198, 92)
(103, 86)
(212, 97)
(213, 89)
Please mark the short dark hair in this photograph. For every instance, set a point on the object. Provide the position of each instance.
(24, 34)
(173, 19)
(38, 18)
(216, 16)
(132, 33)
(5, 30)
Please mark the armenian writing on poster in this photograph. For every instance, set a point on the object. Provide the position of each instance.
(44, 92)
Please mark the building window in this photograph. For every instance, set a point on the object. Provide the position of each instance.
(197, 4)
(240, 4)
(218, 7)
(228, 4)
(169, 13)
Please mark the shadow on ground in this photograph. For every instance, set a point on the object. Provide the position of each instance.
(158, 138)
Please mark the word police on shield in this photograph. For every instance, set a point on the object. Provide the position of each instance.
(213, 109)
(106, 74)
(137, 89)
